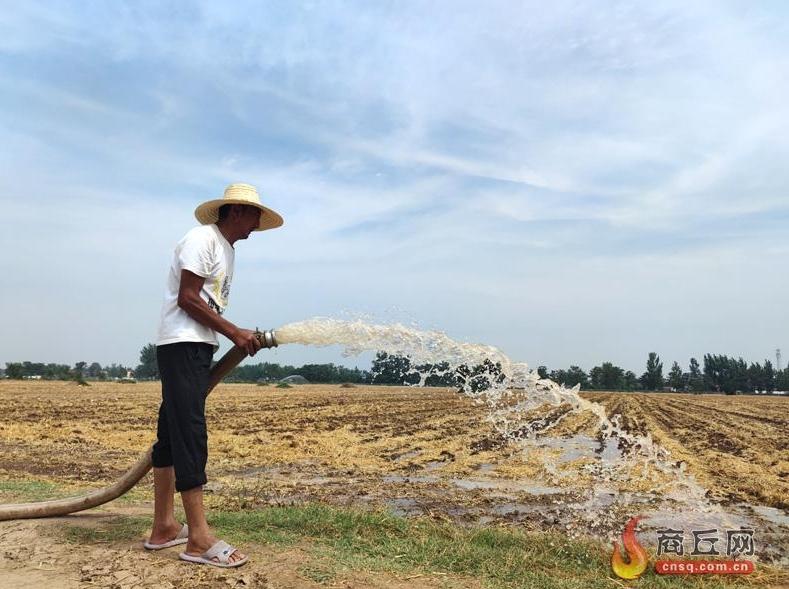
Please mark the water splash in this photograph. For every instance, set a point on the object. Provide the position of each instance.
(521, 406)
(358, 336)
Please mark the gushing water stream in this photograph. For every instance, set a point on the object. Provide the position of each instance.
(515, 397)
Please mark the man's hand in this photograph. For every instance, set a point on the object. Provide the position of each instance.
(246, 339)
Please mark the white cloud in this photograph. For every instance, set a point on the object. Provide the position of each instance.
(519, 171)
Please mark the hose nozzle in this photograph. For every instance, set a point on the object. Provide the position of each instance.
(266, 338)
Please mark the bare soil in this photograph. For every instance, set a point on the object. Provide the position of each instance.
(34, 555)
(427, 452)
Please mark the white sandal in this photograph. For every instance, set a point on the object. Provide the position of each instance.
(222, 551)
(181, 538)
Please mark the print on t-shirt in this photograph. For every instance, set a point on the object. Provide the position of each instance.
(217, 300)
(214, 307)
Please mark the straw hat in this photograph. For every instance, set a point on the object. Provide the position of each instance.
(238, 194)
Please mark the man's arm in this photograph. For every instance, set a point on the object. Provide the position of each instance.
(189, 300)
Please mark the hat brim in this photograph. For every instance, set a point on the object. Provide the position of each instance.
(208, 213)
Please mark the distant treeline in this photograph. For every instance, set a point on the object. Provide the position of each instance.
(399, 370)
(80, 370)
(266, 371)
(720, 373)
(717, 373)
(318, 373)
(386, 369)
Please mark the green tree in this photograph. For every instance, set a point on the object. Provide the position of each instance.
(769, 376)
(781, 379)
(576, 375)
(116, 371)
(695, 378)
(728, 375)
(630, 381)
(715, 372)
(607, 377)
(393, 369)
(94, 370)
(148, 367)
(676, 379)
(438, 375)
(79, 370)
(542, 372)
(571, 377)
(14, 370)
(479, 378)
(318, 372)
(652, 379)
(755, 377)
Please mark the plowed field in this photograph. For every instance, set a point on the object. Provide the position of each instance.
(426, 452)
(736, 446)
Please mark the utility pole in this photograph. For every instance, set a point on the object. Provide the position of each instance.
(778, 359)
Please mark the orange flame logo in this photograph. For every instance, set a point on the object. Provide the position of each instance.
(636, 554)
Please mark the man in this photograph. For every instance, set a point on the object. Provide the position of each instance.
(198, 287)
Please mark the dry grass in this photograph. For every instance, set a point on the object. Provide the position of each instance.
(735, 446)
(56, 429)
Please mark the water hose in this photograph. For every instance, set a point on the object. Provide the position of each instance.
(131, 477)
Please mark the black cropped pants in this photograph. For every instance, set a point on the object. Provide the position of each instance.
(182, 438)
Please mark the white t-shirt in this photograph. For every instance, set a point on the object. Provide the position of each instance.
(205, 252)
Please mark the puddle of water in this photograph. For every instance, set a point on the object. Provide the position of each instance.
(580, 446)
(396, 478)
(665, 518)
(515, 509)
(404, 506)
(771, 514)
(531, 487)
(599, 499)
(278, 474)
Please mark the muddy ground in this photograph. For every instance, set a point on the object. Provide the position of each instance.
(426, 452)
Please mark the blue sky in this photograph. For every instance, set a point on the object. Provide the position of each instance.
(573, 183)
